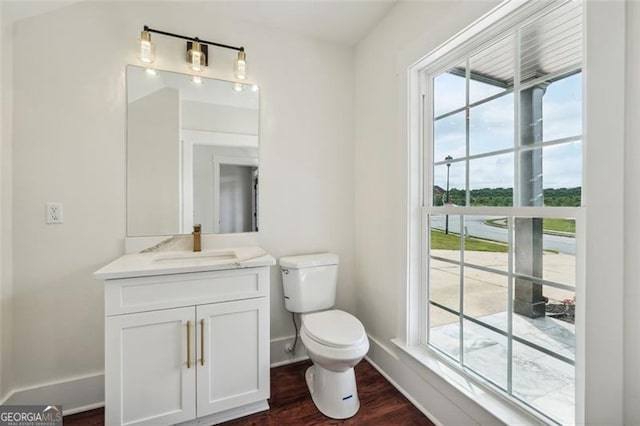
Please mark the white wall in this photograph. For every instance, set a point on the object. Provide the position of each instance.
(602, 345)
(632, 220)
(153, 164)
(6, 320)
(219, 118)
(3, 338)
(381, 60)
(69, 146)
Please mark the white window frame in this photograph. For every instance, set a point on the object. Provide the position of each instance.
(599, 340)
(411, 311)
(451, 59)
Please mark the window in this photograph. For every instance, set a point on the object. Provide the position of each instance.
(503, 168)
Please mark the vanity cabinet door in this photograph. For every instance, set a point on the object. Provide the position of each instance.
(148, 381)
(233, 358)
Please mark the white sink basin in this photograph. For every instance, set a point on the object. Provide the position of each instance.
(229, 256)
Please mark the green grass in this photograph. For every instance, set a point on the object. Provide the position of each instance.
(548, 224)
(559, 225)
(442, 241)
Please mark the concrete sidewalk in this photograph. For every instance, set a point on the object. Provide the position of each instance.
(540, 380)
(485, 292)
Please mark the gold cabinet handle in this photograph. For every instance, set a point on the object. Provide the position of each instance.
(188, 344)
(202, 341)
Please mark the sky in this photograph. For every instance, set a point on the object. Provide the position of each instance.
(492, 129)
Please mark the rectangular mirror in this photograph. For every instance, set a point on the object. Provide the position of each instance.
(192, 154)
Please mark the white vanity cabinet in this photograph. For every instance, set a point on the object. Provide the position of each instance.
(186, 348)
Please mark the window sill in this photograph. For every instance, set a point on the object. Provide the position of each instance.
(505, 410)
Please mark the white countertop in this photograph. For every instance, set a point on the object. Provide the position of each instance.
(181, 262)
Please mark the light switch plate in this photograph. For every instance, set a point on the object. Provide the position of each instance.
(54, 213)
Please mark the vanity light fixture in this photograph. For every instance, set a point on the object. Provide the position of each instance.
(195, 56)
(240, 66)
(146, 51)
(197, 51)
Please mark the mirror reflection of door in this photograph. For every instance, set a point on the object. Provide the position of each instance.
(237, 198)
(224, 185)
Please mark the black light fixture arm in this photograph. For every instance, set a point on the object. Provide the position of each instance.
(211, 43)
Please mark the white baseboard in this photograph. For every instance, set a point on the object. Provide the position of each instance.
(406, 394)
(83, 408)
(438, 400)
(75, 395)
(280, 355)
(289, 361)
(87, 392)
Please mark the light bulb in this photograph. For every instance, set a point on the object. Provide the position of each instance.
(196, 79)
(196, 57)
(238, 87)
(255, 88)
(146, 49)
(240, 66)
(195, 61)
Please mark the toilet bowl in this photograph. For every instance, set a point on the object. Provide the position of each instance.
(335, 342)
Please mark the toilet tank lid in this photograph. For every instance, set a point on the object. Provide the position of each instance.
(309, 260)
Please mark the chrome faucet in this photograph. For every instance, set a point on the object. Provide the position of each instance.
(196, 238)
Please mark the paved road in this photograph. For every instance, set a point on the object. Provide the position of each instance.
(476, 227)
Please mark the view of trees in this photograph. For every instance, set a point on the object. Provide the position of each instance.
(500, 197)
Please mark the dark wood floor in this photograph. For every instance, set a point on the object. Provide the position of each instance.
(291, 404)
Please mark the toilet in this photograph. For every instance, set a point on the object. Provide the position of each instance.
(335, 340)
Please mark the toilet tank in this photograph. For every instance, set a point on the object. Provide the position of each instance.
(309, 281)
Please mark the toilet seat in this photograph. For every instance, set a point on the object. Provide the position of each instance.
(334, 328)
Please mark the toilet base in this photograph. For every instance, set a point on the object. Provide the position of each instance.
(334, 394)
